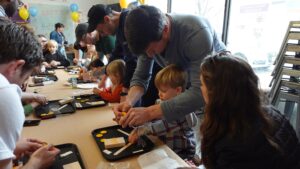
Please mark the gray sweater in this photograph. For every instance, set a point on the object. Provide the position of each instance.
(192, 39)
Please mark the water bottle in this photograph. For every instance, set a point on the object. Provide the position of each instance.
(74, 82)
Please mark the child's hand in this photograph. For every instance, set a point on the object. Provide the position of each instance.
(86, 76)
(54, 63)
(47, 65)
(96, 90)
(133, 137)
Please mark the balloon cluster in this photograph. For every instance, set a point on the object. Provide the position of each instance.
(74, 12)
(24, 13)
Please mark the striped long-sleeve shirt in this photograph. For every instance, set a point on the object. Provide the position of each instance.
(178, 135)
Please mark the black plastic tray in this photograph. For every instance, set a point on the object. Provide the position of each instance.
(112, 132)
(45, 109)
(83, 99)
(47, 72)
(50, 77)
(61, 161)
(75, 156)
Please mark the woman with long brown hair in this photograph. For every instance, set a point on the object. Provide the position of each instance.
(238, 131)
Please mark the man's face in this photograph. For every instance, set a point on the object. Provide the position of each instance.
(61, 29)
(89, 38)
(156, 48)
(20, 76)
(12, 7)
(107, 27)
(43, 41)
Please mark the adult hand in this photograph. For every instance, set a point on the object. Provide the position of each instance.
(135, 117)
(42, 158)
(96, 90)
(27, 146)
(33, 97)
(119, 108)
(40, 98)
(75, 61)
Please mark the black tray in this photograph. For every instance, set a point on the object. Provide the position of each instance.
(47, 72)
(112, 132)
(60, 161)
(83, 99)
(42, 111)
(75, 156)
(49, 76)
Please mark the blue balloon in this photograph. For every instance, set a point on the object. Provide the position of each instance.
(74, 7)
(33, 11)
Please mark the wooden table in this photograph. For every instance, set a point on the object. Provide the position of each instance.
(76, 128)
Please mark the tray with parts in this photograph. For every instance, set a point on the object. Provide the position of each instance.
(53, 108)
(69, 157)
(143, 145)
(88, 101)
(42, 78)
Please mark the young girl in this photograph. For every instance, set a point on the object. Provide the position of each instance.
(237, 130)
(53, 57)
(116, 72)
(93, 72)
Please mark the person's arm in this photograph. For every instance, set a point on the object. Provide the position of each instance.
(62, 59)
(140, 79)
(76, 56)
(31, 97)
(111, 96)
(42, 158)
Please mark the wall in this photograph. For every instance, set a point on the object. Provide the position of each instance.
(53, 11)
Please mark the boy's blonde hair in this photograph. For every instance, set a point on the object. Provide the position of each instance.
(52, 43)
(116, 68)
(171, 76)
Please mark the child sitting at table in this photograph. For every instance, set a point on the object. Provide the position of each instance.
(53, 57)
(178, 135)
(93, 72)
(116, 72)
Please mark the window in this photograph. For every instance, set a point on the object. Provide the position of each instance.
(256, 31)
(213, 10)
(161, 4)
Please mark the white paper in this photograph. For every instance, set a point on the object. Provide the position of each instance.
(157, 159)
(166, 163)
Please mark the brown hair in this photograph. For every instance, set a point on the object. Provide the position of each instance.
(172, 76)
(234, 106)
(116, 68)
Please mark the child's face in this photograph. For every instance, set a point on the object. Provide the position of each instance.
(52, 48)
(167, 92)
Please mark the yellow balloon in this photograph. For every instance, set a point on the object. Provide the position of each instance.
(143, 2)
(75, 16)
(123, 3)
(24, 14)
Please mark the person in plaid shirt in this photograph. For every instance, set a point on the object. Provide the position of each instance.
(178, 135)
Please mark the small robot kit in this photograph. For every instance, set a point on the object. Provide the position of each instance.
(113, 143)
